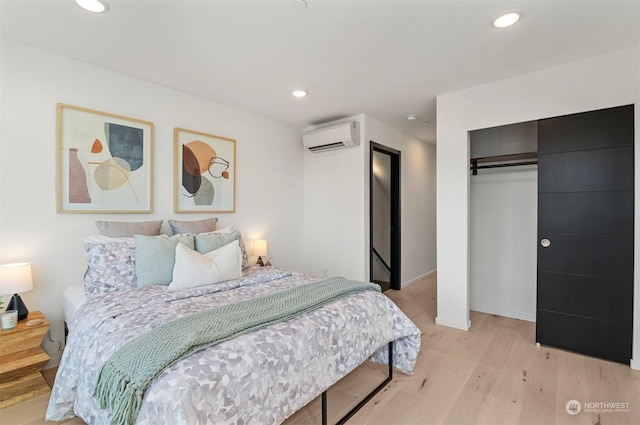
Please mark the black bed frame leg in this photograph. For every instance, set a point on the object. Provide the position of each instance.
(324, 408)
(364, 401)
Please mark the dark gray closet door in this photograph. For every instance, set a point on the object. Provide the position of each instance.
(585, 212)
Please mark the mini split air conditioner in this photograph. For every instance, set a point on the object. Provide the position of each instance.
(337, 136)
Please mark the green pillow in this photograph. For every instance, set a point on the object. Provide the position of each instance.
(209, 242)
(155, 257)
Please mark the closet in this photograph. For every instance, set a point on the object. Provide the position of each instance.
(585, 221)
(503, 217)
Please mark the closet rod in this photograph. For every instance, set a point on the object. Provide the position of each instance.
(476, 167)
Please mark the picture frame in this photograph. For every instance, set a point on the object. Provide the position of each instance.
(204, 172)
(104, 162)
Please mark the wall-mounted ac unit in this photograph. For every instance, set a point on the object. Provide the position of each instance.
(333, 137)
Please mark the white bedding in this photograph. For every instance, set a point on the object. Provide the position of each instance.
(261, 377)
(72, 298)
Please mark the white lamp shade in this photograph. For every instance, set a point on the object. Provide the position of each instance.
(15, 278)
(259, 247)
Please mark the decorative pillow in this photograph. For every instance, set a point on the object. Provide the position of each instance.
(155, 257)
(118, 229)
(105, 239)
(193, 269)
(228, 229)
(207, 242)
(199, 226)
(243, 249)
(111, 265)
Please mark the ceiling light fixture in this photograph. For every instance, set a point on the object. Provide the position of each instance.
(299, 4)
(412, 117)
(95, 6)
(299, 93)
(506, 19)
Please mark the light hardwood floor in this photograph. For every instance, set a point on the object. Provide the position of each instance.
(492, 375)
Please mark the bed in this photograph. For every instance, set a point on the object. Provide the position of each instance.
(258, 377)
(73, 297)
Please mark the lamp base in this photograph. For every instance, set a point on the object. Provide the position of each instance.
(259, 262)
(16, 303)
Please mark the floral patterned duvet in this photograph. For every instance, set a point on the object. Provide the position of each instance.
(260, 377)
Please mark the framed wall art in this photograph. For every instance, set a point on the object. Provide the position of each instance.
(104, 162)
(204, 172)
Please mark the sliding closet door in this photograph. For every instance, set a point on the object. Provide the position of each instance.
(585, 233)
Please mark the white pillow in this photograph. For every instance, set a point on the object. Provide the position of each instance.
(229, 229)
(193, 269)
(105, 239)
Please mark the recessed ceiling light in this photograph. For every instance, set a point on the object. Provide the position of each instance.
(299, 93)
(95, 6)
(412, 117)
(298, 4)
(506, 19)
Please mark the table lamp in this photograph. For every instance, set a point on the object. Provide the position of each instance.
(15, 278)
(260, 249)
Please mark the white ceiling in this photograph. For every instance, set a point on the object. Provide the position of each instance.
(384, 58)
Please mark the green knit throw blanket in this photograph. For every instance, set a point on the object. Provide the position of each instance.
(124, 378)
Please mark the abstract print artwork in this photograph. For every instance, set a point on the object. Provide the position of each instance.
(104, 162)
(204, 172)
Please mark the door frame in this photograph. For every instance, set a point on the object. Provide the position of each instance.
(394, 278)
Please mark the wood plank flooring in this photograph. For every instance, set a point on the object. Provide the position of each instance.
(491, 375)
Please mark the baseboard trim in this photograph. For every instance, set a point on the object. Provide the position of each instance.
(452, 324)
(635, 364)
(414, 280)
(502, 312)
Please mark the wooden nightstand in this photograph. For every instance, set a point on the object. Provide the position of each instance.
(21, 360)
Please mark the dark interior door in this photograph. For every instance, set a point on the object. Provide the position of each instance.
(585, 233)
(394, 213)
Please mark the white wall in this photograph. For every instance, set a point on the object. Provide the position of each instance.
(595, 83)
(334, 210)
(417, 199)
(381, 211)
(381, 214)
(269, 168)
(336, 205)
(381, 221)
(502, 244)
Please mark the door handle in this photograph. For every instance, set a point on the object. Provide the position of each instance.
(545, 243)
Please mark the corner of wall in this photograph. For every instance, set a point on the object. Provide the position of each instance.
(453, 324)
